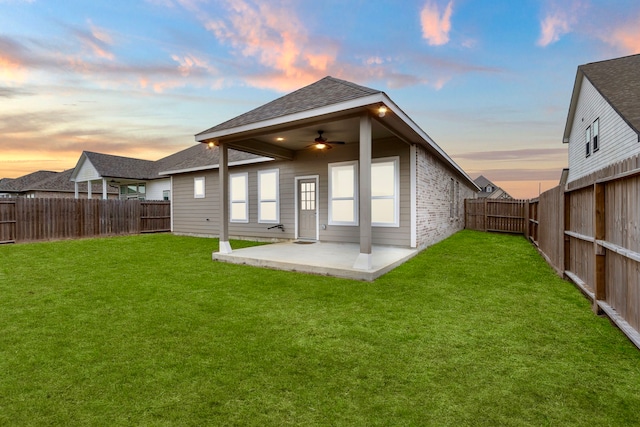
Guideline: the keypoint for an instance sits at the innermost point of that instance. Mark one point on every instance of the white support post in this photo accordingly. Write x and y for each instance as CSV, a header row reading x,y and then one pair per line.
x,y
364,260
223,171
414,195
88,189
76,192
104,188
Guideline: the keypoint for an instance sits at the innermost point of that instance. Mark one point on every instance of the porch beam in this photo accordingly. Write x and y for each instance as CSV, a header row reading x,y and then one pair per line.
x,y
223,178
364,260
260,148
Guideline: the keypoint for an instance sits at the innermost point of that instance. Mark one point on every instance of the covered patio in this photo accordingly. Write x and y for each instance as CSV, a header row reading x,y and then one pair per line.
x,y
322,258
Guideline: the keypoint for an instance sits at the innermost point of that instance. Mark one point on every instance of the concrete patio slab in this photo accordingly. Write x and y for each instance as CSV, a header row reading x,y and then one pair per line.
x,y
322,258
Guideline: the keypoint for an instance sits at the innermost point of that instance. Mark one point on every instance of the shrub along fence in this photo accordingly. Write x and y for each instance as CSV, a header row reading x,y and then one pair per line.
x,y
589,232
26,220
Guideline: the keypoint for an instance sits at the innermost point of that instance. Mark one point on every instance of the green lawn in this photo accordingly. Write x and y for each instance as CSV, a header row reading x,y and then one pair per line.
x,y
147,330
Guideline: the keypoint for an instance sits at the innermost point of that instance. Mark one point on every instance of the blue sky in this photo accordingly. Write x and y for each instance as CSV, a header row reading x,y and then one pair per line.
x,y
489,81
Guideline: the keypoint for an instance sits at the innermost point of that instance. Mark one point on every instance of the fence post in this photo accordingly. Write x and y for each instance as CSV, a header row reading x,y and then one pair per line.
x,y
484,213
567,227
525,214
600,291
466,213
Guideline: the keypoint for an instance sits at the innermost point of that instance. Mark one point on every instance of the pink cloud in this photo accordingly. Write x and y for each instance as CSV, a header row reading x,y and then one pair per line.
x,y
560,18
277,39
11,70
97,40
625,36
552,27
436,25
189,63
12,67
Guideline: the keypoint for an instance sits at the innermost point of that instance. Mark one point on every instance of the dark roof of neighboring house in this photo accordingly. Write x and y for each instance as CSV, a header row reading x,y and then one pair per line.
x,y
482,182
49,181
327,91
618,81
25,182
6,184
112,166
200,156
62,182
194,157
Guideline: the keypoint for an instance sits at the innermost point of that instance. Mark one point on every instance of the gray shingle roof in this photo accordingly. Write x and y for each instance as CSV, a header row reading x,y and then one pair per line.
x,y
327,91
618,81
62,182
483,182
48,181
199,156
108,165
196,156
25,182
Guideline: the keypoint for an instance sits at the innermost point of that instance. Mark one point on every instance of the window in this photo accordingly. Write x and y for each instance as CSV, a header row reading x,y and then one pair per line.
x,y
595,130
238,192
451,198
588,144
457,201
133,191
268,196
385,189
489,189
166,194
198,188
343,181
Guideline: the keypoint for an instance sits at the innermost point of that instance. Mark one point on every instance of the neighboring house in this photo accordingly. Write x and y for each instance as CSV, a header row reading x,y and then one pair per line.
x,y
135,179
377,179
488,190
46,184
603,124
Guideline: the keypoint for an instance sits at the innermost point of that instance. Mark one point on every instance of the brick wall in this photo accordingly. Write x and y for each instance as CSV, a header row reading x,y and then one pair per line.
x,y
437,217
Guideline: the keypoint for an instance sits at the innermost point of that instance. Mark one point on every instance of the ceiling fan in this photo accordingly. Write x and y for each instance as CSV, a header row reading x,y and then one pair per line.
x,y
321,143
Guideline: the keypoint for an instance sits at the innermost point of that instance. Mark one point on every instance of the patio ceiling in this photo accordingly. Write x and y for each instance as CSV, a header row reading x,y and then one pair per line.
x,y
284,139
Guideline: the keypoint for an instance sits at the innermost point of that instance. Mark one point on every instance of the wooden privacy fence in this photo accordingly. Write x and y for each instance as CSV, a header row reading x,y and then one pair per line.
x,y
589,232
504,215
25,220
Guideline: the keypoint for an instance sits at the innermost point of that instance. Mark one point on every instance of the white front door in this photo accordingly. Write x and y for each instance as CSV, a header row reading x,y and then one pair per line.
x,y
307,209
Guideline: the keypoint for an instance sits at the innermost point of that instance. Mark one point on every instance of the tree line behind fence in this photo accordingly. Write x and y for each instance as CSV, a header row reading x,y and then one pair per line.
x,y
26,220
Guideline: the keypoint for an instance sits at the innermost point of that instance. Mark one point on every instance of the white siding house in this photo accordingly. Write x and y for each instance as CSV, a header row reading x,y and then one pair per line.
x,y
604,115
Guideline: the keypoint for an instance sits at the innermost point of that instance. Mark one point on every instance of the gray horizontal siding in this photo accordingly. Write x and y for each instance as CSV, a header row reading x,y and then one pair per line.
x,y
190,214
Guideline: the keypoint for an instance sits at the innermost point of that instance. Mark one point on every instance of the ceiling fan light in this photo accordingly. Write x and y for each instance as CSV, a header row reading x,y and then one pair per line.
x,y
321,146
210,145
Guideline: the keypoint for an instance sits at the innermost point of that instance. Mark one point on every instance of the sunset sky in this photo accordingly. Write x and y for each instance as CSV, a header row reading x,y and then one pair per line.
x,y
489,81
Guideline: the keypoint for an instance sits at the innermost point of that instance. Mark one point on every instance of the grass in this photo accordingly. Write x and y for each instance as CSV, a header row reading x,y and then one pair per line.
x,y
147,330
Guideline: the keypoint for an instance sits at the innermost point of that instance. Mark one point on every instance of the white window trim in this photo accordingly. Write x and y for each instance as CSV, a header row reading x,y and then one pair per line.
x,y
197,195
245,200
356,214
396,195
595,135
276,200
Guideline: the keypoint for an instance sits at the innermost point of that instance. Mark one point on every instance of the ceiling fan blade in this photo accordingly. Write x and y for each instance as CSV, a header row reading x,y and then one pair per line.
x,y
334,142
